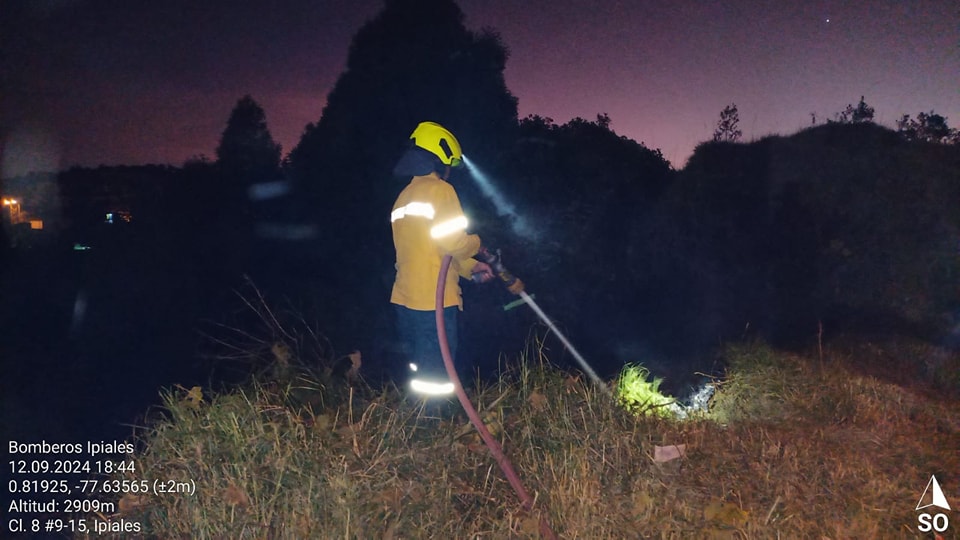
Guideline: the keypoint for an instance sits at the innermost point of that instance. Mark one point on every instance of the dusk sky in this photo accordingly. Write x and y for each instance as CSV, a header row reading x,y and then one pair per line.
x,y
89,82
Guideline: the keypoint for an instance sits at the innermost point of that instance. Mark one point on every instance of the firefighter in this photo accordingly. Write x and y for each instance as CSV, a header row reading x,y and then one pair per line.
x,y
428,223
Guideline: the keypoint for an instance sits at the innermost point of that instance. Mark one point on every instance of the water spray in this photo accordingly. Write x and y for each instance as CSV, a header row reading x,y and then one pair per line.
x,y
519,224
566,343
517,287
514,285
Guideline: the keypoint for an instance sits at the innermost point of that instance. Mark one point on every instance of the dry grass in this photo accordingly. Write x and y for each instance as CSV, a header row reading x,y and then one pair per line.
x,y
791,448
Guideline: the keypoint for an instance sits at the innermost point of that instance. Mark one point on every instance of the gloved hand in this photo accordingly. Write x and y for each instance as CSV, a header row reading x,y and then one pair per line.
x,y
481,272
492,258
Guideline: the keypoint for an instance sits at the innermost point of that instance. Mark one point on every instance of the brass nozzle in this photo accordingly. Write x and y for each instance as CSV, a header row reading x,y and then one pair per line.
x,y
516,287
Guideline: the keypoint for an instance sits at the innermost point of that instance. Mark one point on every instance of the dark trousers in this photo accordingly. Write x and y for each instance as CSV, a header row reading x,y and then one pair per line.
x,y
417,332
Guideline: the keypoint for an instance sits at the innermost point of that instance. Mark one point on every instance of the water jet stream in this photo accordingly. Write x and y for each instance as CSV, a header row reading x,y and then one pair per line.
x,y
566,343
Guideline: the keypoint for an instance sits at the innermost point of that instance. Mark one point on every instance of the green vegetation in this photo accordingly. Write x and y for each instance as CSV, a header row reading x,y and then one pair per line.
x,y
793,446
640,394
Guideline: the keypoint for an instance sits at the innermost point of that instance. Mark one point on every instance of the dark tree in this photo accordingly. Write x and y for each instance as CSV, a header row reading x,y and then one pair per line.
x,y
247,155
415,61
930,127
844,223
247,151
855,115
587,194
728,127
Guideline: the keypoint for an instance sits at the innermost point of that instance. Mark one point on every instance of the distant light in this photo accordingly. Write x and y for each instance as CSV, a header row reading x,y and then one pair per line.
x,y
413,367
79,309
286,231
828,20
268,190
80,247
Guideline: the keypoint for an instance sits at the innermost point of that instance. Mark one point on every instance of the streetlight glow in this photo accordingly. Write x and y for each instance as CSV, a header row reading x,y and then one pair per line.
x,y
14,206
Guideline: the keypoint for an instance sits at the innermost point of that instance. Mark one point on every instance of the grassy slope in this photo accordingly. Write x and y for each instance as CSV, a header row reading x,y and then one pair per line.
x,y
793,447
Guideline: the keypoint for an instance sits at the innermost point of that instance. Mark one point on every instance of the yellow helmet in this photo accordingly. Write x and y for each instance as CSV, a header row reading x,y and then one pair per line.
x,y
435,139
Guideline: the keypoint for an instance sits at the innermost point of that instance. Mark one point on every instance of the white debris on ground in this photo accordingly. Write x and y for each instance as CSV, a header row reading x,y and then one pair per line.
x,y
697,402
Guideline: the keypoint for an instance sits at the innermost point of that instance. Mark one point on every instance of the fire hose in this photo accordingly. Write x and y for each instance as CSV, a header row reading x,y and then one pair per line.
x,y
495,449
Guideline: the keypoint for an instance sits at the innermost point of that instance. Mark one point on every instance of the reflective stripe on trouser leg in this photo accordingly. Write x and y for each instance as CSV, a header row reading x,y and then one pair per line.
x,y
417,331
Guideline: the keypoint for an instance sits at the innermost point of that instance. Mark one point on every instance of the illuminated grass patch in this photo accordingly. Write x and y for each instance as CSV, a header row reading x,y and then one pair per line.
x,y
639,393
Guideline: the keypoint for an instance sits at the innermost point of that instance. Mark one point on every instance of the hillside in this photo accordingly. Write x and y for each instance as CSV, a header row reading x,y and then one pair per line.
x,y
793,446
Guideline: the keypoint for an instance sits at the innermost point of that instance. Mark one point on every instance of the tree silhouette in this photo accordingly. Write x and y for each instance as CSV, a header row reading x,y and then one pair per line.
x,y
587,194
247,151
855,115
414,61
930,127
843,222
247,154
728,127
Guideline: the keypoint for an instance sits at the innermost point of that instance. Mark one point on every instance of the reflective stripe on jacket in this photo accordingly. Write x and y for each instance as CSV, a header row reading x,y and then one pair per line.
x,y
428,223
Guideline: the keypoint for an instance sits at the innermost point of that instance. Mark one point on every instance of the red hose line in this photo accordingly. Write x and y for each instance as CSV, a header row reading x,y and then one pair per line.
x,y
492,444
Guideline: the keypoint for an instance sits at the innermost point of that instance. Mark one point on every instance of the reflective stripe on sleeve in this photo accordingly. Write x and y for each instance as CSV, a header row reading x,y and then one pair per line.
x,y
448,227
420,209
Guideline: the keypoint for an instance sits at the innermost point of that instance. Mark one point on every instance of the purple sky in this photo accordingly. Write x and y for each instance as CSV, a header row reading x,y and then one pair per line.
x,y
94,82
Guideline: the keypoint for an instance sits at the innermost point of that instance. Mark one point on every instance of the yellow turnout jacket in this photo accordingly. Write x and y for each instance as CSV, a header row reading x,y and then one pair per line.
x,y
428,223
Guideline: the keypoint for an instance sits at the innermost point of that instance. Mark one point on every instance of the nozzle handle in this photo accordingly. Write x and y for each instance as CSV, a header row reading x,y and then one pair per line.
x,y
513,284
